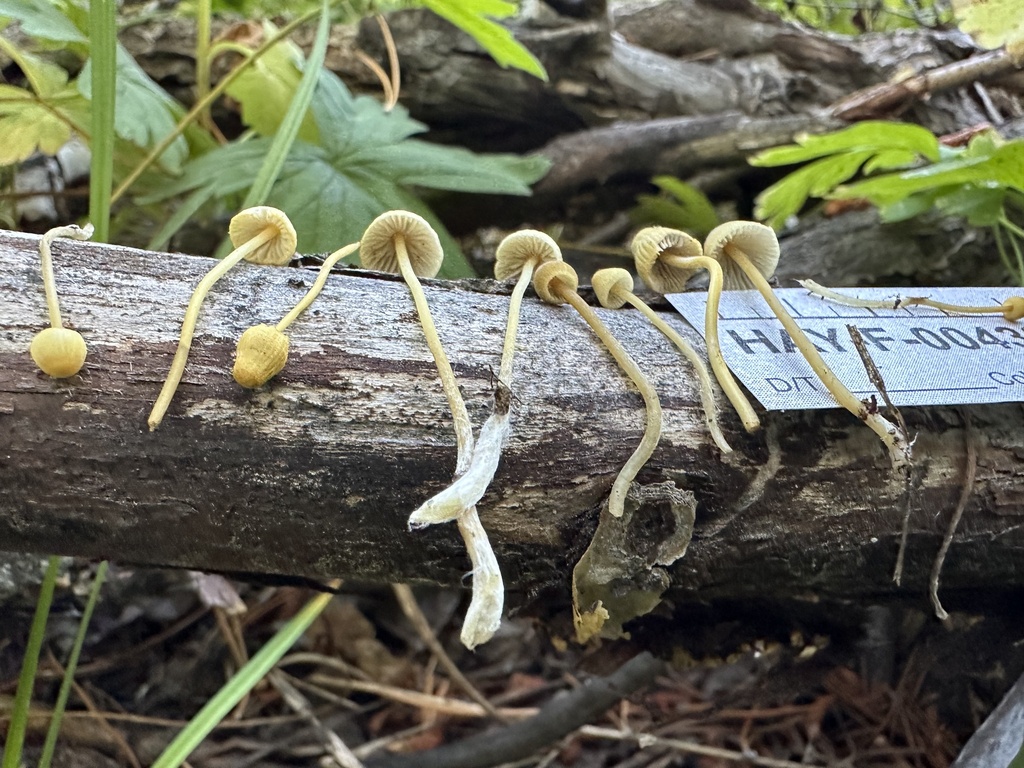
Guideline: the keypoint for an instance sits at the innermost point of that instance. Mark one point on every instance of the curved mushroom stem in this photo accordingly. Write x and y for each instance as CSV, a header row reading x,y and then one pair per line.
x,y
515,303
1012,309
652,431
707,397
314,291
897,443
49,285
725,378
463,428
188,325
485,607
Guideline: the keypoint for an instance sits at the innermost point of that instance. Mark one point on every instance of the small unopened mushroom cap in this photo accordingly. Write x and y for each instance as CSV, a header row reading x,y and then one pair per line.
x,y
757,241
651,245
59,352
377,247
552,275
520,247
1013,308
610,285
247,224
261,354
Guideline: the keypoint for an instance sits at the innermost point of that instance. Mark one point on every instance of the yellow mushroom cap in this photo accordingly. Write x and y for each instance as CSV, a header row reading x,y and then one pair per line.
x,y
521,247
610,285
651,245
261,354
247,224
377,246
757,241
1013,308
550,277
59,352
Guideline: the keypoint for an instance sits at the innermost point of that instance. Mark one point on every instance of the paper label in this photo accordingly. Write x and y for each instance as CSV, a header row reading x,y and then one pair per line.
x,y
925,356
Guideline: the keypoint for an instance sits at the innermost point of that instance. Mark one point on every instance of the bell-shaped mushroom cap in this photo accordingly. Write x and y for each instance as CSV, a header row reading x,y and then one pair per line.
x,y
610,285
757,241
651,245
551,277
377,247
59,352
247,224
523,246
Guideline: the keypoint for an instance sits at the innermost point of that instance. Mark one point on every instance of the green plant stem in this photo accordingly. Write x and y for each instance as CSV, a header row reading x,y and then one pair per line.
x,y
1015,233
23,698
241,683
69,670
204,16
103,51
214,94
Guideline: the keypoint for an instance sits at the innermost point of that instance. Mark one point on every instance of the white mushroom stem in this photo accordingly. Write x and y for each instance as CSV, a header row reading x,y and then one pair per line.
x,y
470,487
484,614
707,397
188,325
652,430
46,257
817,289
512,327
895,441
725,378
314,291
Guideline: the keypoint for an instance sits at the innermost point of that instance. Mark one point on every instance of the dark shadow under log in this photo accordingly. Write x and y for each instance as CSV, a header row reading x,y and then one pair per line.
x,y
315,474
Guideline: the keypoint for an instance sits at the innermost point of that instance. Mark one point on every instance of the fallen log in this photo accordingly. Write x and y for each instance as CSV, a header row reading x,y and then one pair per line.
x,y
315,474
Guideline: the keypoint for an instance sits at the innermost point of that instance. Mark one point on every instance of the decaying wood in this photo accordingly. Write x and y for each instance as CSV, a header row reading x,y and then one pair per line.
x,y
315,474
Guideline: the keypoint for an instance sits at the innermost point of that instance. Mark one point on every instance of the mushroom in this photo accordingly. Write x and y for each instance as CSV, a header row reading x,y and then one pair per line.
x,y
556,283
58,351
1012,309
665,259
517,255
261,235
263,350
748,253
400,241
614,288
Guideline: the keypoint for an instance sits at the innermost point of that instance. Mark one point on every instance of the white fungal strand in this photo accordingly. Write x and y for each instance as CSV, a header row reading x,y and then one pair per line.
x,y
470,487
483,617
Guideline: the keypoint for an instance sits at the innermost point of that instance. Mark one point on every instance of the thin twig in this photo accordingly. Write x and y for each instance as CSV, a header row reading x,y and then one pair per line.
x,y
645,740
970,470
332,742
410,607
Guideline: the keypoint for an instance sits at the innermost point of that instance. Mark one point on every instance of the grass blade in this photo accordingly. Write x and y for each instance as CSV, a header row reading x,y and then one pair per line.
x,y
103,44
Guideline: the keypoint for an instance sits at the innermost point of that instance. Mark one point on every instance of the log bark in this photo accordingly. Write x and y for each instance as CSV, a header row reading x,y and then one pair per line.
x,y
315,474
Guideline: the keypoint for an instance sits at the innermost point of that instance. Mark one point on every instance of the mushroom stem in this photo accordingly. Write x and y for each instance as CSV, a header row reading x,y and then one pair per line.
x,y
188,325
1012,309
463,428
515,304
895,442
49,285
314,291
652,431
707,397
732,390
483,617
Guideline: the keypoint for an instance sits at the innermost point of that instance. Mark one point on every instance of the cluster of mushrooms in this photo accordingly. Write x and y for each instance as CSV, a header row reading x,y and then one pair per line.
x,y
736,255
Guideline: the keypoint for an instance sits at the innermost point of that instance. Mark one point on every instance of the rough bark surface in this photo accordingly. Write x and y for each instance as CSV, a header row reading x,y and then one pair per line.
x,y
315,474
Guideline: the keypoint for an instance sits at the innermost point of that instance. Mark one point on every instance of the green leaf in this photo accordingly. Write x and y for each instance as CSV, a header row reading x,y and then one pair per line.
x,y
981,207
145,113
42,19
26,126
686,208
875,135
992,22
45,77
266,87
787,196
365,167
474,18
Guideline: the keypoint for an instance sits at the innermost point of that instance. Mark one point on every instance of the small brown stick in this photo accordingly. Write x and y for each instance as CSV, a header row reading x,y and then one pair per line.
x,y
875,377
411,608
332,742
970,470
